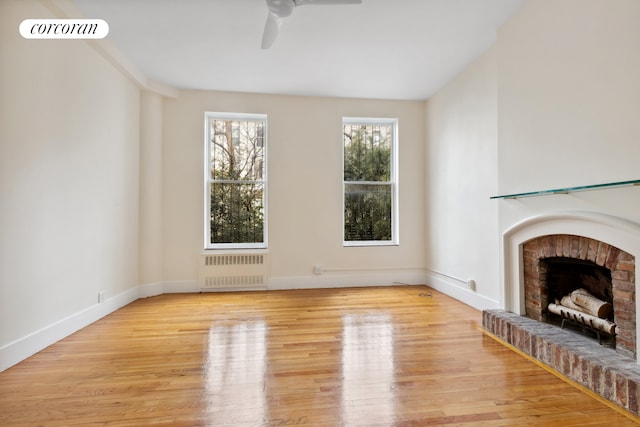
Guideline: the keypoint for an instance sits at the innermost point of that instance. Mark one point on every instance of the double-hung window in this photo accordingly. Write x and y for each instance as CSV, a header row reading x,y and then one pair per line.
x,y
370,181
235,180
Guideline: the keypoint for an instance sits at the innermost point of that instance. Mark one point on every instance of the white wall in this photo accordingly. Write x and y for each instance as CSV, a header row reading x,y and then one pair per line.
x,y
68,180
461,165
569,94
569,103
561,86
569,106
305,188
151,261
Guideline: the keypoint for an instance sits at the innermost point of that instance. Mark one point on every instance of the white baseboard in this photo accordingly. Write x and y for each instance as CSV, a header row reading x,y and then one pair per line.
x,y
347,279
29,345
454,288
181,287
150,290
176,287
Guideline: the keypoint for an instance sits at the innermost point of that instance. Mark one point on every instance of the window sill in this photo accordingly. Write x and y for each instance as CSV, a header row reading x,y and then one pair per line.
x,y
360,244
256,250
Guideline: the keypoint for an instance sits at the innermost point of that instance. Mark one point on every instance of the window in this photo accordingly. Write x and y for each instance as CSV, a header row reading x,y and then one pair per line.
x,y
235,181
370,181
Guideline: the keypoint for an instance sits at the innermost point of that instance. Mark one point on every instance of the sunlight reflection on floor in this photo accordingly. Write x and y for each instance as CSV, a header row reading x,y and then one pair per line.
x,y
367,367
235,372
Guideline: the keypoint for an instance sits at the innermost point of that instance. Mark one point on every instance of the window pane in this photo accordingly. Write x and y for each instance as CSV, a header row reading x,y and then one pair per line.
x,y
237,213
367,212
367,152
236,149
236,180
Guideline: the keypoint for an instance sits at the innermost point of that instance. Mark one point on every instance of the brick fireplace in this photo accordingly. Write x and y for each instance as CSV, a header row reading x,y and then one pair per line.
x,y
619,264
607,245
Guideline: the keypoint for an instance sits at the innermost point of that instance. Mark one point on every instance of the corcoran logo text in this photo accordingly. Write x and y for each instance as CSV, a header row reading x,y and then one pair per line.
x,y
64,29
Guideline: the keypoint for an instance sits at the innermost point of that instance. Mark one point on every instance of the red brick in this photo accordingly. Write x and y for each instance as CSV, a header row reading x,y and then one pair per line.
x,y
601,256
531,274
608,386
595,378
593,250
566,245
529,258
558,243
626,257
623,285
627,345
626,266
625,337
574,246
632,395
624,307
621,390
584,248
585,372
535,345
576,366
544,249
565,361
622,295
535,314
627,332
620,275
612,257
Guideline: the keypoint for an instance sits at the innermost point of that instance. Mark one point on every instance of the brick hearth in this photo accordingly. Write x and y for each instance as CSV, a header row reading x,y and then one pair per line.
x,y
606,372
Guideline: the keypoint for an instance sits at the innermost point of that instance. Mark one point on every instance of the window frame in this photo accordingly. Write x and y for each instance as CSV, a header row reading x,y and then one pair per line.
x,y
393,182
208,116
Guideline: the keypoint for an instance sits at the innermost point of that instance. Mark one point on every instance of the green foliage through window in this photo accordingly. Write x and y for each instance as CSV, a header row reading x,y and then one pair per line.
x,y
368,181
236,149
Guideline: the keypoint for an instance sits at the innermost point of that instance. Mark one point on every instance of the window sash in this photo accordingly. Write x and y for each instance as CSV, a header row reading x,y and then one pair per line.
x,y
249,228
368,212
373,235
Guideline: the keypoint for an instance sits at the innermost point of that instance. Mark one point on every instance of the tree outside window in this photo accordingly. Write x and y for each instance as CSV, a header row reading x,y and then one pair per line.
x,y
236,181
369,181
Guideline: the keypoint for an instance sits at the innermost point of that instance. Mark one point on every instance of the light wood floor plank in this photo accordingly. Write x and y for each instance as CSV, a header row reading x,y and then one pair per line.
x,y
388,356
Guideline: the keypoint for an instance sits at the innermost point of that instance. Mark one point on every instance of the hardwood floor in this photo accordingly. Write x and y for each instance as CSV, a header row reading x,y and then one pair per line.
x,y
388,356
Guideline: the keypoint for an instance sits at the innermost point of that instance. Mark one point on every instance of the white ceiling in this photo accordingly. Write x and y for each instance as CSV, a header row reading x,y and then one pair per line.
x,y
388,49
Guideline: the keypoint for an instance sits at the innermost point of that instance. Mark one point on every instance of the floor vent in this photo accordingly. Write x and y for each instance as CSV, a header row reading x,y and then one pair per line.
x,y
225,272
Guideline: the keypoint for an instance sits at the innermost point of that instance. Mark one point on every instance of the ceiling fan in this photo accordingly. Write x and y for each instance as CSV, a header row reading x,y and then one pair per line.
x,y
279,9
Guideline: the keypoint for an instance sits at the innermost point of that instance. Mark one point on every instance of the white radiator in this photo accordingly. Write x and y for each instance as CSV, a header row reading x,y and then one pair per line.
x,y
233,271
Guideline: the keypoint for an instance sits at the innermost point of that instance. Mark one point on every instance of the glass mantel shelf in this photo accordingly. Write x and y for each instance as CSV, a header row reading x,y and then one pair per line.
x,y
569,189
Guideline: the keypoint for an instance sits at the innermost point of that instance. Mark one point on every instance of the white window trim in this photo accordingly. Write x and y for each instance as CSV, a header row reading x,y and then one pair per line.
x,y
395,200
208,115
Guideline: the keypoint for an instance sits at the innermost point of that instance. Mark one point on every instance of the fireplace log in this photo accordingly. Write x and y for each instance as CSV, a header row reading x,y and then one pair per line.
x,y
583,318
590,304
567,302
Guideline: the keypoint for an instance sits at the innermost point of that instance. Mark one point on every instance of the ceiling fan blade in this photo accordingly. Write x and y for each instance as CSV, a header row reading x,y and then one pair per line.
x,y
279,9
271,29
305,2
